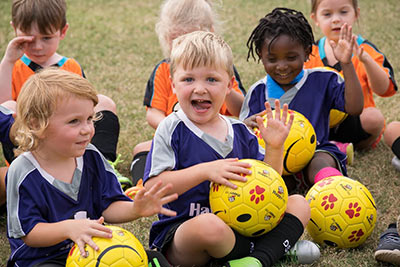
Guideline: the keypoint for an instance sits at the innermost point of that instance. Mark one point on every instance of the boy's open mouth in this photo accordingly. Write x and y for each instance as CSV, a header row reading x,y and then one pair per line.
x,y
201,104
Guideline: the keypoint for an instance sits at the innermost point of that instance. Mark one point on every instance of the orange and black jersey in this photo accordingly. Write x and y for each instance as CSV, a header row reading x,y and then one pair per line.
x,y
318,59
25,67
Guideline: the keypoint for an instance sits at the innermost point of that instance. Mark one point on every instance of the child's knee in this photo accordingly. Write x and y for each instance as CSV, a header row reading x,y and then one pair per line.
x,y
105,103
392,132
299,207
143,146
372,121
211,229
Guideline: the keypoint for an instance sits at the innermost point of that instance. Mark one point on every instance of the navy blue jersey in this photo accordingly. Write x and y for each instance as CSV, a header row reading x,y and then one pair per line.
x,y
179,144
314,95
6,120
34,196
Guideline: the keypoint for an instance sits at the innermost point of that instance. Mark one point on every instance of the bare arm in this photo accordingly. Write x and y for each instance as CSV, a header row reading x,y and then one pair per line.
x,y
354,99
79,231
377,77
219,171
234,101
15,50
147,202
154,117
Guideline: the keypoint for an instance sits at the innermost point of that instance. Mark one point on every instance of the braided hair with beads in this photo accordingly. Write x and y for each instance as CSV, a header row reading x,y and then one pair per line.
x,y
281,21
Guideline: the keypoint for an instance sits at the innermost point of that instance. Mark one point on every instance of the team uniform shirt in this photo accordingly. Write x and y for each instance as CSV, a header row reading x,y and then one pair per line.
x,y
159,92
24,68
314,95
179,144
6,120
318,59
34,196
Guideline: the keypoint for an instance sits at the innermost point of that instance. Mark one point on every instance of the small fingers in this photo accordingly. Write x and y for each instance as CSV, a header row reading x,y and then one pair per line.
x,y
168,212
169,198
81,246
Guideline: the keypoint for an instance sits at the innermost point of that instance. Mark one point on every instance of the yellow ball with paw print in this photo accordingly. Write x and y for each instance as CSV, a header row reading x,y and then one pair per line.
x,y
343,212
257,205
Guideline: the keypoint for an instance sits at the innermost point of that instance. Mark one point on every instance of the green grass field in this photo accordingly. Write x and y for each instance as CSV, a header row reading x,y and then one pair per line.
x,y
116,44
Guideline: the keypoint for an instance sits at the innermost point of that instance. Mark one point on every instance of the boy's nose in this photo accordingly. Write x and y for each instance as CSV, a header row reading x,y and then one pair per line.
x,y
36,44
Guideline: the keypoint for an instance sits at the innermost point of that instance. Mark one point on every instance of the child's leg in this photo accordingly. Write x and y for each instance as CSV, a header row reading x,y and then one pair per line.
x,y
138,164
372,122
321,164
107,128
199,239
392,137
270,247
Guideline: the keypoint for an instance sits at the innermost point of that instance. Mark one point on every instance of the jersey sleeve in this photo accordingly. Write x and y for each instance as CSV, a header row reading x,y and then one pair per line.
x,y
383,62
6,121
159,88
22,212
161,156
254,100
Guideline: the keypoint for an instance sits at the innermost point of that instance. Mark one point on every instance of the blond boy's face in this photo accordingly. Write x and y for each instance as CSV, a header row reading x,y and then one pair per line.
x,y
70,129
43,46
201,92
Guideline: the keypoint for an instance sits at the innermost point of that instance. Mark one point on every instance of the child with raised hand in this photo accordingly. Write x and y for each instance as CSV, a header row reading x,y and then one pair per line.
x,y
40,26
60,174
196,146
283,41
372,67
178,17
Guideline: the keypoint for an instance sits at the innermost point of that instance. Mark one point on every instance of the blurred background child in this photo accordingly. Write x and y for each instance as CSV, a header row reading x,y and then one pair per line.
x,y
177,17
372,67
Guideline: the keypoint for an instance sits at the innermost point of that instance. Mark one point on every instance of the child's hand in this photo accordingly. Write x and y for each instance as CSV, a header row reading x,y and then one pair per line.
x,y
150,202
223,170
277,129
343,49
81,232
16,48
251,121
359,51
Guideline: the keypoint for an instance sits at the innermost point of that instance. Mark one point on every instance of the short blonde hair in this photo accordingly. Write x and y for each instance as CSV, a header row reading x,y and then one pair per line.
x,y
201,49
39,98
178,17
49,15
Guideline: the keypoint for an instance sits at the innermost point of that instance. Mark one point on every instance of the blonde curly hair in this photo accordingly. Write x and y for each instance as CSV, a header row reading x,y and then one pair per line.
x,y
38,100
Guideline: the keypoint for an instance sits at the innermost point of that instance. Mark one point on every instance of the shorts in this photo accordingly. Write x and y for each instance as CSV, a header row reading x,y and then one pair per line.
x,y
169,236
349,131
106,134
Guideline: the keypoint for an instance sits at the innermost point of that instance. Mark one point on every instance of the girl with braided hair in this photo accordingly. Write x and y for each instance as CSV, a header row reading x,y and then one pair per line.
x,y
283,40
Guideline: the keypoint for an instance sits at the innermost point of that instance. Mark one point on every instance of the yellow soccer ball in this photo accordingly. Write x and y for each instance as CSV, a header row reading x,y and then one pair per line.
x,y
299,145
336,117
343,212
122,250
256,206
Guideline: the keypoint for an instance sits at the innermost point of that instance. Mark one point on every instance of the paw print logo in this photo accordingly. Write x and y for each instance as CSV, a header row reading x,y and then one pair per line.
x,y
325,182
215,187
257,194
328,202
356,235
354,210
